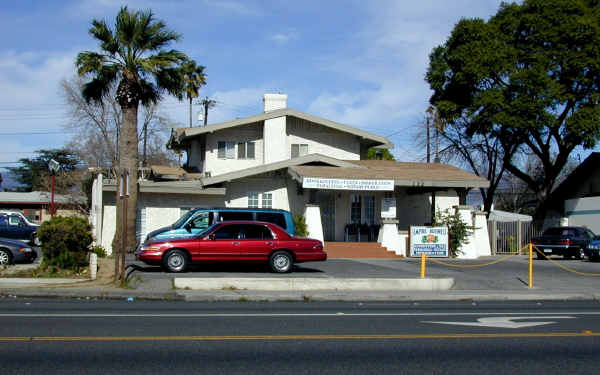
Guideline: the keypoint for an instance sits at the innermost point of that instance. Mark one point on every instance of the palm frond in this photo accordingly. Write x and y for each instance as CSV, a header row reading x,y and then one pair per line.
x,y
100,85
102,32
171,80
89,62
149,94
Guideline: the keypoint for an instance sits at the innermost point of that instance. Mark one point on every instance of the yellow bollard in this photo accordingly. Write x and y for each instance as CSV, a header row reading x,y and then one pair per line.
x,y
530,265
423,257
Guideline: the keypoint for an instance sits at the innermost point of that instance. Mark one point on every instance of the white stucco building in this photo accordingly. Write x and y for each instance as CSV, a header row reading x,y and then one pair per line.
x,y
287,159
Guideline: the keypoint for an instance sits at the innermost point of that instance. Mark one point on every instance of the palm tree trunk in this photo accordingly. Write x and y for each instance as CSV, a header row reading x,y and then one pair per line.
x,y
190,112
128,163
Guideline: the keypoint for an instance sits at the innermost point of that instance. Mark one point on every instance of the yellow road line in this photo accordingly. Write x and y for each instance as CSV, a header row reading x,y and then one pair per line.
x,y
305,337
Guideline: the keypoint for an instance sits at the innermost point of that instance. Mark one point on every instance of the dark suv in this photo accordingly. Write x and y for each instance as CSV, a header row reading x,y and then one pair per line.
x,y
566,241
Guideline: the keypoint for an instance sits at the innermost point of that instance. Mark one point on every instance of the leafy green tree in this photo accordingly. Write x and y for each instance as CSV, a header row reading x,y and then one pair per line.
x,y
132,55
379,154
193,79
527,78
33,172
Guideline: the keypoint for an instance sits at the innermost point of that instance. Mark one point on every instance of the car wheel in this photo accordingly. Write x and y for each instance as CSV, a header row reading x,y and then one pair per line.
x,y
281,262
175,261
579,253
5,257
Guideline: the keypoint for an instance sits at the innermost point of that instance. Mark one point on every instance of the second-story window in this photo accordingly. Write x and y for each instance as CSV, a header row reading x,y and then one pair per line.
x,y
252,199
299,150
226,150
245,150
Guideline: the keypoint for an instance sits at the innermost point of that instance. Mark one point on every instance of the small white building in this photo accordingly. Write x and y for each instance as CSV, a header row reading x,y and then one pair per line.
x,y
287,159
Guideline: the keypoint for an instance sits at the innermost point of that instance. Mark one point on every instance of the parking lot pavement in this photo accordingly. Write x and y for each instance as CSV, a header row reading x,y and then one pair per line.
x,y
509,274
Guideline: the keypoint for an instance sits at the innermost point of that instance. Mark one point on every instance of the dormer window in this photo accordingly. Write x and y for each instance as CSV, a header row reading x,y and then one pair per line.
x,y
299,150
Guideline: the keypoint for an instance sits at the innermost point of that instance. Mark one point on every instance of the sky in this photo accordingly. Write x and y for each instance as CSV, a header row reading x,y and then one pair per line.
x,y
361,63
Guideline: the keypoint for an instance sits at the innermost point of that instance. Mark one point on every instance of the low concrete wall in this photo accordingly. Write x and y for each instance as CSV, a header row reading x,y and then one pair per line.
x,y
305,284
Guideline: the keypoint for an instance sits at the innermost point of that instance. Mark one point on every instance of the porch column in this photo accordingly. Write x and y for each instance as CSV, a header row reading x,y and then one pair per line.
x,y
313,222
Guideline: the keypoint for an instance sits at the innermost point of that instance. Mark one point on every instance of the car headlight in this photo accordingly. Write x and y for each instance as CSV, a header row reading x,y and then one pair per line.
x,y
150,248
25,250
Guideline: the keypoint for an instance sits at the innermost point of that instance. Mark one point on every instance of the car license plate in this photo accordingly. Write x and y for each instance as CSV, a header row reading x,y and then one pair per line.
x,y
547,250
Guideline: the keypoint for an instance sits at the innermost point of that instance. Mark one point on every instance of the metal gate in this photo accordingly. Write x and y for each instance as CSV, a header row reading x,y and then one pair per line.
x,y
507,237
326,202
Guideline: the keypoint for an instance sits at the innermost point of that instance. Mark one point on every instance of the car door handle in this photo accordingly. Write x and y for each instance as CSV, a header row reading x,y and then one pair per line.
x,y
269,242
235,243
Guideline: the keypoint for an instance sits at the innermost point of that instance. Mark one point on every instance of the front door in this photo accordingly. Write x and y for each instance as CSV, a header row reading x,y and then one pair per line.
x,y
326,202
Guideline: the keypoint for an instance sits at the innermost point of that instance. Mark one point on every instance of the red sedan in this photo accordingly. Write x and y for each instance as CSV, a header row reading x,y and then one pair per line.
x,y
245,241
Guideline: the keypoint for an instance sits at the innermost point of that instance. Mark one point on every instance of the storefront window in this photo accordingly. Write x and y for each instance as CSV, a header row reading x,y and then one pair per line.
x,y
370,209
355,209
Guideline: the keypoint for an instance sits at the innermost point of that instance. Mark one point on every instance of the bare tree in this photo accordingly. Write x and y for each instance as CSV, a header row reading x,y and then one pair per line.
x,y
97,125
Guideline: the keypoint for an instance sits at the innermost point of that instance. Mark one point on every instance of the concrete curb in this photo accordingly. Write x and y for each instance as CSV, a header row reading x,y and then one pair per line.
x,y
8,282
312,284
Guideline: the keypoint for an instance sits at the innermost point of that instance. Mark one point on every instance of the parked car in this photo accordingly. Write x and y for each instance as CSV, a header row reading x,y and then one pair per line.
x,y
592,251
12,251
198,220
240,241
566,241
14,226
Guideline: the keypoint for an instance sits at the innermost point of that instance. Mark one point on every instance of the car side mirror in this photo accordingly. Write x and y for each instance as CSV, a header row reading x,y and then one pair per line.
x,y
212,236
188,227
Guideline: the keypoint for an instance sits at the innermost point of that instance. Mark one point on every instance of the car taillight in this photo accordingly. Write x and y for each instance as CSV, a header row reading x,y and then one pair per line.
x,y
566,242
318,246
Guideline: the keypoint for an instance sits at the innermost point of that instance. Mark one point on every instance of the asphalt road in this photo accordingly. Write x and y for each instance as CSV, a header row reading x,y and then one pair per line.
x,y
108,337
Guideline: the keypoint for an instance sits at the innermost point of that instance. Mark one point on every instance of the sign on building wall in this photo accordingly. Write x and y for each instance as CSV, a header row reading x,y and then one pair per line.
x,y
433,241
347,184
388,208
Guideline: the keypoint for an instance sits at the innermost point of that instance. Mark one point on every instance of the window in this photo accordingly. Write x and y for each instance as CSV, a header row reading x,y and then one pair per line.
x,y
200,221
299,150
226,150
272,217
252,199
235,215
267,200
228,232
257,232
370,209
14,220
355,209
246,150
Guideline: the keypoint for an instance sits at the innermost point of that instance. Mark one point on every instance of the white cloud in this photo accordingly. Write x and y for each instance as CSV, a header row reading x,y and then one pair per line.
x,y
390,57
283,38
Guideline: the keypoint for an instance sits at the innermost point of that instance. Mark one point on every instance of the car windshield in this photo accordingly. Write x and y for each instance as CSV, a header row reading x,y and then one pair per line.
x,y
560,232
179,223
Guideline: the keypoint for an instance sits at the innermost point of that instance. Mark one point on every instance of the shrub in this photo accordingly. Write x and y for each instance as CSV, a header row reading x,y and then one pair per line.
x,y
99,251
300,224
457,229
65,242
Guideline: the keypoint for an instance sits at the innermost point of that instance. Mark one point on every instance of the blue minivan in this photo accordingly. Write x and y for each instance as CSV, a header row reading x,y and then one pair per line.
x,y
195,221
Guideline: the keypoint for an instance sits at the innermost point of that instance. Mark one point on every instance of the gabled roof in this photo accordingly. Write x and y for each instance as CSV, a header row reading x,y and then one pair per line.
x,y
568,189
306,159
182,134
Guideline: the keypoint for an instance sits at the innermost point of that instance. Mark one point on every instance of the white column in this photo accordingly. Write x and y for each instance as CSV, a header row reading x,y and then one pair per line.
x,y
481,238
313,222
468,249
389,238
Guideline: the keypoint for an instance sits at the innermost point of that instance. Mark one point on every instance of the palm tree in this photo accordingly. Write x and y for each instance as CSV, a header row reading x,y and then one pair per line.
x,y
193,79
131,56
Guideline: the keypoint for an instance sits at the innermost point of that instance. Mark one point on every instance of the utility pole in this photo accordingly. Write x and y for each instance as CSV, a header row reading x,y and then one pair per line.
x,y
207,103
428,142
